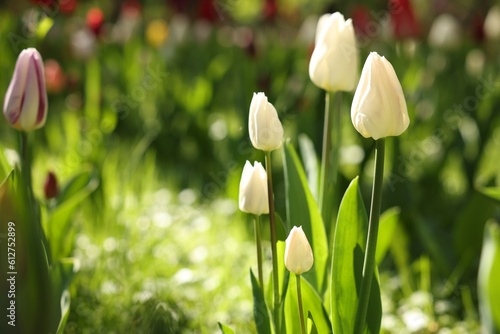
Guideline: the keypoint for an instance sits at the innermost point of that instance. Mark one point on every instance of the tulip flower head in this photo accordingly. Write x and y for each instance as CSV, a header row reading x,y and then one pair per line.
x,y
298,253
51,187
379,107
25,105
264,126
253,189
334,61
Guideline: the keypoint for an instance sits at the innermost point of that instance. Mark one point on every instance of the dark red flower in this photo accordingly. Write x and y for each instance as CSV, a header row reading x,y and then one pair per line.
x,y
361,20
131,8
51,188
270,9
478,28
207,10
67,6
404,23
95,20
48,3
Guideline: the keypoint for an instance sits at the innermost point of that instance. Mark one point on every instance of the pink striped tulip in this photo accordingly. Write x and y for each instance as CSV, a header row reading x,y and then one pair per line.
x,y
25,104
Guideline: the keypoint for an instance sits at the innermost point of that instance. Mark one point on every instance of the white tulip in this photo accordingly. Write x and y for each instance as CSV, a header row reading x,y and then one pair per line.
x,y
253,189
264,126
379,107
298,253
445,32
492,23
25,105
334,61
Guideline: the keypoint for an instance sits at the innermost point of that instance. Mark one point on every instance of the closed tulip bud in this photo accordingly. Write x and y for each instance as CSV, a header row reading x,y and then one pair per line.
x,y
334,61
50,187
298,253
25,105
264,126
379,107
253,189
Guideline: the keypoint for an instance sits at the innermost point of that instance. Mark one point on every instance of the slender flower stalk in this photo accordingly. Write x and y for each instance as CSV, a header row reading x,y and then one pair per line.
x,y
301,309
371,244
330,155
272,225
258,245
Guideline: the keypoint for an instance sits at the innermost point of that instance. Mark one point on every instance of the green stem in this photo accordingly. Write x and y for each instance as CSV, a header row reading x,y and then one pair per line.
x,y
301,310
259,250
325,157
26,164
330,159
371,243
272,225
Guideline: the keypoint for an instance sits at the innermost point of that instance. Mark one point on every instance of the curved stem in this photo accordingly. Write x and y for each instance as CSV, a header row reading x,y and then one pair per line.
x,y
301,310
272,225
371,243
258,245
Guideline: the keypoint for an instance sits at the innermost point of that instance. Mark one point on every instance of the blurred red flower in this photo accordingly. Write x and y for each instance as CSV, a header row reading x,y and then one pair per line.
x,y
207,10
270,9
404,23
50,187
360,20
95,20
67,6
55,80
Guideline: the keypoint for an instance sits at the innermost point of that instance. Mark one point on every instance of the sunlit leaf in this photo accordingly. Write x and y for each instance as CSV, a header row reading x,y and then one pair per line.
x,y
489,272
347,266
225,330
492,192
388,222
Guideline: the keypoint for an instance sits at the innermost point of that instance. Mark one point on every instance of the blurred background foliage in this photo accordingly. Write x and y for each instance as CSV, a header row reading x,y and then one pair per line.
x,y
153,97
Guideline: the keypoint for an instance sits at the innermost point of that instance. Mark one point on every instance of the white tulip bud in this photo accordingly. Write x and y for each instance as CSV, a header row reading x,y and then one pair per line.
x,y
379,107
253,189
445,32
334,61
264,126
25,105
298,253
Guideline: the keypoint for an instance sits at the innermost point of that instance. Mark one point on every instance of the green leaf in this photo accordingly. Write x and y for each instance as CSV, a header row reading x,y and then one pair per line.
x,y
388,222
58,226
260,313
32,280
492,192
224,329
469,227
311,302
347,265
302,210
489,272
